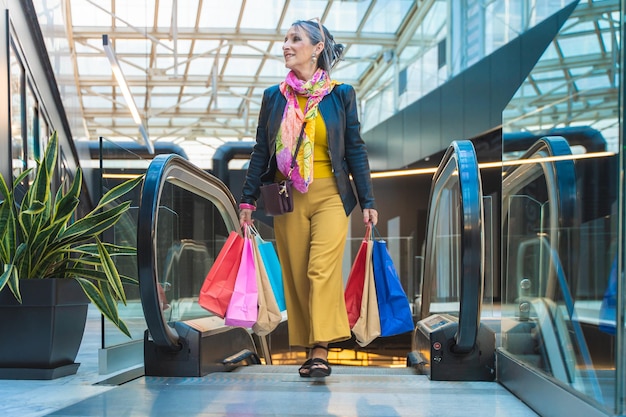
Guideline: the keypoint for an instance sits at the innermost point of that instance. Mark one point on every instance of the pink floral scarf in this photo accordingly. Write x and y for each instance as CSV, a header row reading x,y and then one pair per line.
x,y
315,89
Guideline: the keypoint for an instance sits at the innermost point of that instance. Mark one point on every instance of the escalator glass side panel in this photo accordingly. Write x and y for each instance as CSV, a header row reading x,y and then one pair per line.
x,y
185,217
454,260
541,235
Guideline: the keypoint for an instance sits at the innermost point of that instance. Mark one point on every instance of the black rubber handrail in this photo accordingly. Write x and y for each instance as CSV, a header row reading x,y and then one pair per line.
x,y
460,159
176,170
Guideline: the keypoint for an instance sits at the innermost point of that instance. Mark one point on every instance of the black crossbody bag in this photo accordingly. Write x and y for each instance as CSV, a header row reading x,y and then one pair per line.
x,y
277,196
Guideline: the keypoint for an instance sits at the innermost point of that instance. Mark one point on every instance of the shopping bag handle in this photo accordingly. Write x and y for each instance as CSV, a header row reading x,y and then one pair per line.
x,y
375,233
368,232
249,230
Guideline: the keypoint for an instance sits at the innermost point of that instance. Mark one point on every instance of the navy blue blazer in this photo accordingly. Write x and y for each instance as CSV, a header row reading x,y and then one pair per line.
x,y
348,153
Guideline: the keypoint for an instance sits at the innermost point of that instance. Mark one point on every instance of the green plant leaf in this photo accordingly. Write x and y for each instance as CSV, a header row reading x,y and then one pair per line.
x,y
93,274
20,178
36,201
122,326
21,260
111,272
50,157
40,242
129,280
65,207
104,303
87,273
5,231
33,219
119,191
9,277
4,189
92,224
6,275
109,297
113,249
95,295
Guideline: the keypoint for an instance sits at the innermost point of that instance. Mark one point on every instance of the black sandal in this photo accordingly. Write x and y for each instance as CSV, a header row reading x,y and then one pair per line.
x,y
319,367
305,369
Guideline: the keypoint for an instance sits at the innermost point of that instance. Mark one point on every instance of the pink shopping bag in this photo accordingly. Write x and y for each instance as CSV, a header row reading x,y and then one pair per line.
x,y
243,307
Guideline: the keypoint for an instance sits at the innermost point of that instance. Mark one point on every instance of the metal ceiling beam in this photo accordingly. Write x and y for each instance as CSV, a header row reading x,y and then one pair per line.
x,y
166,81
234,35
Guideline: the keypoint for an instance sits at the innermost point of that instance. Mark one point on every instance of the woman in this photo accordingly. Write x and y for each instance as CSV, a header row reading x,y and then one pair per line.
x,y
310,240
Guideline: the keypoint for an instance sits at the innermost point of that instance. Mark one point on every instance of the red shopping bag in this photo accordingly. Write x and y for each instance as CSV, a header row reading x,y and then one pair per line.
x,y
218,285
356,280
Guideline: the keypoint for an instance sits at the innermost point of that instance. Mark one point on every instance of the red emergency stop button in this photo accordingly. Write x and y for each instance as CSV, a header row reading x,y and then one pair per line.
x,y
437,346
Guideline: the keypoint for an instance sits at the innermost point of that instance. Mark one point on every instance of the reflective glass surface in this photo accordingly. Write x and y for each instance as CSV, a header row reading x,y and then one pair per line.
x,y
193,220
559,214
446,260
188,243
18,163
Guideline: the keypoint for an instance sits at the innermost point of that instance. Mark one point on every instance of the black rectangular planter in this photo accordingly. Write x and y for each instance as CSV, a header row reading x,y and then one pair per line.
x,y
40,338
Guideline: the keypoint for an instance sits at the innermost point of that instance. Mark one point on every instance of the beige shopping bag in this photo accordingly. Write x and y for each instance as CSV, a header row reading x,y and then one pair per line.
x,y
367,326
269,313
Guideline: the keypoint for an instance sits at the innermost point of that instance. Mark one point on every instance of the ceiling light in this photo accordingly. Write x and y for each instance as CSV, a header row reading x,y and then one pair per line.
x,y
123,85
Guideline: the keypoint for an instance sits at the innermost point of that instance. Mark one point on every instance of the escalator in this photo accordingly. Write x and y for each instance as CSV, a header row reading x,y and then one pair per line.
x,y
453,344
186,215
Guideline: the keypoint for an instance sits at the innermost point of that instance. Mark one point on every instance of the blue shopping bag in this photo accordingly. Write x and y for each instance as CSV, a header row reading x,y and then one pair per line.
x,y
272,266
393,305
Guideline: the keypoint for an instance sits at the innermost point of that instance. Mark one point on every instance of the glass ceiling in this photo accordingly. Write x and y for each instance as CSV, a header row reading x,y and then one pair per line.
x,y
197,68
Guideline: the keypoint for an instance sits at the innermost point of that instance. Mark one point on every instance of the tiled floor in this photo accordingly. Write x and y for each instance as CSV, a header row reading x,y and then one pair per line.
x,y
255,391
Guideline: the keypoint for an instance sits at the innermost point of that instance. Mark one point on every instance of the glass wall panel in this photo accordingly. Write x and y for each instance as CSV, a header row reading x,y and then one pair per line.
x,y
17,140
453,35
190,233
32,134
559,210
110,165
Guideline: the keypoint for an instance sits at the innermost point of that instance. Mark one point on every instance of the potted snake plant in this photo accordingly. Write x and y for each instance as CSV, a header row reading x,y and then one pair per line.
x,y
48,255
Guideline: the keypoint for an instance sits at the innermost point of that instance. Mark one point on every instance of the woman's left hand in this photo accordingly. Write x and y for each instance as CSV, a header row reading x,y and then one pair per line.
x,y
370,216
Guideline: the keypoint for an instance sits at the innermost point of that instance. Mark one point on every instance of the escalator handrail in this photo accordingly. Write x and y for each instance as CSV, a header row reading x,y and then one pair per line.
x,y
564,170
163,169
560,177
463,155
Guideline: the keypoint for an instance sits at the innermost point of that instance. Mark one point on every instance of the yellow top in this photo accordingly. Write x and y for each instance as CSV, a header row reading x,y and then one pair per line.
x,y
321,158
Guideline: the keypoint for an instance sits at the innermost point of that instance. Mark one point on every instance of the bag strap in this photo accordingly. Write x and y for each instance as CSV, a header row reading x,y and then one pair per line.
x,y
375,233
368,232
295,154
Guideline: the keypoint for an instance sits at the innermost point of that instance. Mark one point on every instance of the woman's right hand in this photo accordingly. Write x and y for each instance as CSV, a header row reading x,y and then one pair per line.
x,y
245,217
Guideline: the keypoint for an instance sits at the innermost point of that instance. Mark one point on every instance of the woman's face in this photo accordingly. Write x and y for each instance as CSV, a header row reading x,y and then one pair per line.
x,y
298,52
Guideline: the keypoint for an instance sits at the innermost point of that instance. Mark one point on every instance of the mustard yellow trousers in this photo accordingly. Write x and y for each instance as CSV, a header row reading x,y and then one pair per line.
x,y
310,242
